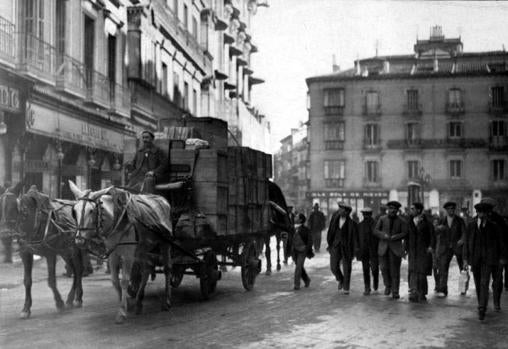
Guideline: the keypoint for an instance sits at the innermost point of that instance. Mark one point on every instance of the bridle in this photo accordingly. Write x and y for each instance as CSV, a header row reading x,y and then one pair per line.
x,y
100,236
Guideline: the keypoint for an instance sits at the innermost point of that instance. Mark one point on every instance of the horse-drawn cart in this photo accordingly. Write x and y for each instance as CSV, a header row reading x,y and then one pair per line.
x,y
219,205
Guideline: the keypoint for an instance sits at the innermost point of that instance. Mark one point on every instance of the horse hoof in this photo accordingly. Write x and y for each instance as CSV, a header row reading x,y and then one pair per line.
x,y
279,267
120,319
78,304
24,315
268,272
69,305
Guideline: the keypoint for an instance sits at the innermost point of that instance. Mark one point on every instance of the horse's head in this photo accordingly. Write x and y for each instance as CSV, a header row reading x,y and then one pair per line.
x,y
33,209
88,213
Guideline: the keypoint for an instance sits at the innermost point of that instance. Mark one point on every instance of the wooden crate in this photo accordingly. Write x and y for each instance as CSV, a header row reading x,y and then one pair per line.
x,y
261,165
211,197
211,165
262,191
238,215
218,223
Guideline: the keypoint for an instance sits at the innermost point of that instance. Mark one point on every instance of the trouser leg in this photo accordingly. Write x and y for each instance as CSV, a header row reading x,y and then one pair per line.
x,y
316,239
497,285
385,270
366,273
347,265
374,266
485,273
395,262
298,258
460,261
444,265
335,257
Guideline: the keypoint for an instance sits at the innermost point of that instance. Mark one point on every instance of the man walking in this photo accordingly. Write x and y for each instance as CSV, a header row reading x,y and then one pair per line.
x,y
341,237
367,250
317,223
420,244
485,251
450,233
390,230
301,249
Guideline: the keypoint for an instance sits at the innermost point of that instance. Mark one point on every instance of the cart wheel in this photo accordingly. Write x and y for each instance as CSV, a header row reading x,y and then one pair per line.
x,y
176,278
251,265
209,274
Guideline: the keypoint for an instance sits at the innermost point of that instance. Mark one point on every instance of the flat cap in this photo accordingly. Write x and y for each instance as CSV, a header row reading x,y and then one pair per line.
x,y
450,204
344,205
395,204
148,132
483,207
490,201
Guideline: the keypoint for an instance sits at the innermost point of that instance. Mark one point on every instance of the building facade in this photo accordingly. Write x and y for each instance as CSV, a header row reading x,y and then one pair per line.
x,y
291,169
427,126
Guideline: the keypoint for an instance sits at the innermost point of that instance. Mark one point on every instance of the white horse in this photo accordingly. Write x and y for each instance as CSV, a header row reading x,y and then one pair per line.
x,y
134,231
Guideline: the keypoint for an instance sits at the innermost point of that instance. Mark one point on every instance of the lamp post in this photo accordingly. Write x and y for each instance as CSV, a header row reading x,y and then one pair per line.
x,y
59,155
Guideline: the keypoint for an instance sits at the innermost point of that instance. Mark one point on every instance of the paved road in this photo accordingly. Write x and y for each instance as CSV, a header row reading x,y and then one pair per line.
x,y
271,316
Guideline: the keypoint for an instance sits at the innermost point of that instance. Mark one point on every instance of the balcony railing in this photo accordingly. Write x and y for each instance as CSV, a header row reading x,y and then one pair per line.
x,y
455,109
37,58
372,146
498,108
334,109
71,77
334,145
498,142
371,110
437,143
412,110
334,182
120,99
98,88
7,42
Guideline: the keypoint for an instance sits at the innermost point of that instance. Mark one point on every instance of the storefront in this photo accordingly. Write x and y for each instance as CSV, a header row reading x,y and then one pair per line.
x,y
62,144
328,200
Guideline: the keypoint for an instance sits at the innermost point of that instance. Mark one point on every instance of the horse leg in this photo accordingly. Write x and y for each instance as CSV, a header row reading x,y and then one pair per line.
x,y
168,267
114,267
145,273
70,297
28,261
268,256
127,260
277,238
78,276
51,261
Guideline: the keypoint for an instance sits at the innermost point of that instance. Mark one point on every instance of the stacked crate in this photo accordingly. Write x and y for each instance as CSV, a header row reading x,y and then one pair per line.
x,y
248,171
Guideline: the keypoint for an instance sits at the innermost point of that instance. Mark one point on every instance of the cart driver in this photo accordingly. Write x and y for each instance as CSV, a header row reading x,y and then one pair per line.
x,y
148,166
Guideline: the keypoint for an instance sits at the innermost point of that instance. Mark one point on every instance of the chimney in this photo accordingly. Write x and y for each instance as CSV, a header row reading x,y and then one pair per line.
x,y
335,67
386,67
358,69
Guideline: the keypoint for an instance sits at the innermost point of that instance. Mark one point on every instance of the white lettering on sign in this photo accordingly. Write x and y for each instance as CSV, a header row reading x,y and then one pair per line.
x,y
9,98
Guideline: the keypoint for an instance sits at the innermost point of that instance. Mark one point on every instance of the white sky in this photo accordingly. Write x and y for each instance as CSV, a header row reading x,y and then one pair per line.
x,y
297,38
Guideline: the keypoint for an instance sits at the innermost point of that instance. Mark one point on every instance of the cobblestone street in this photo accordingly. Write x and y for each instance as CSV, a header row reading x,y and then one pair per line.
x,y
273,315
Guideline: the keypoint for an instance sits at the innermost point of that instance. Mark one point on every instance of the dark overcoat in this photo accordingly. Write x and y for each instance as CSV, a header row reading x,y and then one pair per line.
x,y
486,238
349,239
391,240
156,162
317,221
448,237
421,238
367,241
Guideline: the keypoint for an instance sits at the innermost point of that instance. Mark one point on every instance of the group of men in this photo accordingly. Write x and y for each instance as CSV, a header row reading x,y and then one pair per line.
x,y
382,243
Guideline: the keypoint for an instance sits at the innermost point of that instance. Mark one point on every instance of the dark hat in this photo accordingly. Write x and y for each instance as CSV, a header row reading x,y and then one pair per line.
x,y
483,207
300,218
450,204
344,205
394,204
490,201
418,205
366,210
149,132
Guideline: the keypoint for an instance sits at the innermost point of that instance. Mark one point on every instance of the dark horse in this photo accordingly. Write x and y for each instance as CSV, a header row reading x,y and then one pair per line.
x,y
46,228
280,225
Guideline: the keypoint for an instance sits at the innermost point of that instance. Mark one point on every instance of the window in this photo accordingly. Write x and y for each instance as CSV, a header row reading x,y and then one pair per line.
x,y
194,28
333,100
186,17
371,135
412,100
497,128
60,31
334,173
175,7
89,43
372,104
334,135
412,133
413,169
455,169
186,95
164,81
177,95
371,169
454,97
498,170
455,130
497,96
194,102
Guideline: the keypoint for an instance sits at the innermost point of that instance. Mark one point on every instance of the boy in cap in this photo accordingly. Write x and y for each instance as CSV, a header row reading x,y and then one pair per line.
x,y
301,249
367,250
485,251
341,238
390,230
450,233
148,166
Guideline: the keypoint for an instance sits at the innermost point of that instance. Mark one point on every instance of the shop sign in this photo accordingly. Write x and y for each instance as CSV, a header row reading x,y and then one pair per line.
x,y
53,123
9,99
32,166
347,194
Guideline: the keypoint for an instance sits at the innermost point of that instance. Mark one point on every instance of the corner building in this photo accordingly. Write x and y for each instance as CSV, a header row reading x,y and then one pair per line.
x,y
428,126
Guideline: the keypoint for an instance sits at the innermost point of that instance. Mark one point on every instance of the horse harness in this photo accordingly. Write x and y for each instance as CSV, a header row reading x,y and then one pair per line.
x,y
98,209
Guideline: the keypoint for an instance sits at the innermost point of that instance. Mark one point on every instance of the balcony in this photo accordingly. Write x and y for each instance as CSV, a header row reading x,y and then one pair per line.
x,y
371,110
7,43
440,143
120,99
367,146
372,182
455,109
71,77
334,110
334,182
334,145
97,89
37,59
498,108
412,110
498,143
